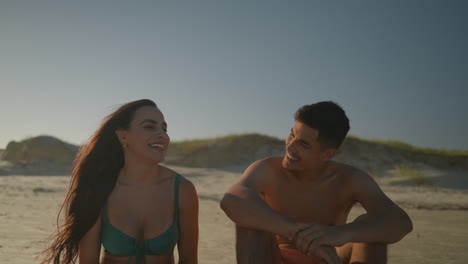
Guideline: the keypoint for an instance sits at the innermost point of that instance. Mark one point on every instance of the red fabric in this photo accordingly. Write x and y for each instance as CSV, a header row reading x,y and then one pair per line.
x,y
293,256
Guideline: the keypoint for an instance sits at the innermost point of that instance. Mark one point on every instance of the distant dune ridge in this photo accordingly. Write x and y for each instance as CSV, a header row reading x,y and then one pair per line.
x,y
46,155
232,151
373,156
42,155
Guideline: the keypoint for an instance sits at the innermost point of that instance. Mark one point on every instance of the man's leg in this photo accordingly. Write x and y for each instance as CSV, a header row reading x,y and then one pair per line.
x,y
256,246
363,253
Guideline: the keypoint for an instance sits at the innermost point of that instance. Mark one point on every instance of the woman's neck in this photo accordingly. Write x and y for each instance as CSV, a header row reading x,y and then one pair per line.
x,y
139,171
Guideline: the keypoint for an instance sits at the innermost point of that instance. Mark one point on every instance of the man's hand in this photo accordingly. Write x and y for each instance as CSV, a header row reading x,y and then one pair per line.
x,y
319,235
319,241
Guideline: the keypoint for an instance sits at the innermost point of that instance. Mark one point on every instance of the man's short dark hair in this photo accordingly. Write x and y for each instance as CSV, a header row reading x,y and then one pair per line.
x,y
329,119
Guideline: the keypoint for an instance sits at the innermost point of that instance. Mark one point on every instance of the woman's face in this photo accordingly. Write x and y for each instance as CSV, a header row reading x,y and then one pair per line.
x,y
146,136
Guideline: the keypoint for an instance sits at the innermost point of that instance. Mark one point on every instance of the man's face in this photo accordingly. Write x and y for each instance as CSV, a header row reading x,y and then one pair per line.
x,y
303,151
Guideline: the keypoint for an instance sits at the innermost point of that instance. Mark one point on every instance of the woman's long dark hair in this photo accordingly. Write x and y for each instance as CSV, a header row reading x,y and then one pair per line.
x,y
94,174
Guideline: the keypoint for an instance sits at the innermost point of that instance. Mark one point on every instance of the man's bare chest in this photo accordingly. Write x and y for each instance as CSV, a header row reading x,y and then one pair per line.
x,y
328,204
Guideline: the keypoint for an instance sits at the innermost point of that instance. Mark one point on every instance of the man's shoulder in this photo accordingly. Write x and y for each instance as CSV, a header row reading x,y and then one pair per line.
x,y
265,166
355,178
268,163
349,171
260,173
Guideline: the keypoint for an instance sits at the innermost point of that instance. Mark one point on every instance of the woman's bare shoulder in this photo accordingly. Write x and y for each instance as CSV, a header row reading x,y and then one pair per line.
x,y
165,171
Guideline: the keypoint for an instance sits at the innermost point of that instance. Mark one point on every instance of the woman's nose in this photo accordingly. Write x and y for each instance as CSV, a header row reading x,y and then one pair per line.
x,y
161,133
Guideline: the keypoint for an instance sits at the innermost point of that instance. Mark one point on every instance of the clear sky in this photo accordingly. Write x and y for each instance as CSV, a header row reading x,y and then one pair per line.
x,y
398,68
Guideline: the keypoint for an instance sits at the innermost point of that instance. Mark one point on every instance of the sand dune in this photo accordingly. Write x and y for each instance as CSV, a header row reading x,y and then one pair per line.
x,y
29,205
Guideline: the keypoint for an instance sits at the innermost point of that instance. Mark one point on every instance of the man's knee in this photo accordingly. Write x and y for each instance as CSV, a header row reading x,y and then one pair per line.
x,y
253,236
256,246
361,253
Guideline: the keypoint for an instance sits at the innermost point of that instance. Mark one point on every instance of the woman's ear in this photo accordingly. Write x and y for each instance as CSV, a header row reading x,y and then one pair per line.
x,y
121,135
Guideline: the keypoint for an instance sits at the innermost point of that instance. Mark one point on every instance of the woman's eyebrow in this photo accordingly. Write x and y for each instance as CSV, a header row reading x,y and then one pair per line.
x,y
153,122
148,120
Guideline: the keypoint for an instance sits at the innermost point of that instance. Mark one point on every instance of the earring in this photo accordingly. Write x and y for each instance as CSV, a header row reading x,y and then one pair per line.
x,y
125,145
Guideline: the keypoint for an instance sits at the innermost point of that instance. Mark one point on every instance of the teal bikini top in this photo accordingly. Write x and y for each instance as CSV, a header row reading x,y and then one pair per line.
x,y
120,244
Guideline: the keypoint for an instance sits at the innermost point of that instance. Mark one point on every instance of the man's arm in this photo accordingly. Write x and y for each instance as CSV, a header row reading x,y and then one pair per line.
x,y
244,205
384,222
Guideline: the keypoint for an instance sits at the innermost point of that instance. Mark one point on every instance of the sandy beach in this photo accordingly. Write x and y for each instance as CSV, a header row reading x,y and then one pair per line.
x,y
29,205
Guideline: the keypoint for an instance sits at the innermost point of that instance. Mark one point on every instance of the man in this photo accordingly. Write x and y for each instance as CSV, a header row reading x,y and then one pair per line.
x,y
294,209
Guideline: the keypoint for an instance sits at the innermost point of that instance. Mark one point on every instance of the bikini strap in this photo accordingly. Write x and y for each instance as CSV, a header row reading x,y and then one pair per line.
x,y
176,195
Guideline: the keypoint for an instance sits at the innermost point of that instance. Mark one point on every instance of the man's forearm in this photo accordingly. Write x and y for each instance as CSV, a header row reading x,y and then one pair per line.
x,y
247,209
382,227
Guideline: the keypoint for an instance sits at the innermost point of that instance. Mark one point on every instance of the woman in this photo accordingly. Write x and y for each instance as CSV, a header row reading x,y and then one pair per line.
x,y
120,197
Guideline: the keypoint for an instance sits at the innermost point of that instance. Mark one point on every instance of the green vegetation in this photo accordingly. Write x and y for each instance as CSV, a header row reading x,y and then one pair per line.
x,y
187,146
405,146
230,150
375,173
409,174
372,155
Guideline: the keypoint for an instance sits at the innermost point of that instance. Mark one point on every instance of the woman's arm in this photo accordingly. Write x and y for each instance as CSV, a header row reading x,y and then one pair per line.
x,y
89,248
188,223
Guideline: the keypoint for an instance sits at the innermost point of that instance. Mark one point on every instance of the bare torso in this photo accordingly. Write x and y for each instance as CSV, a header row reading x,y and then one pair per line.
x,y
107,258
142,211
325,201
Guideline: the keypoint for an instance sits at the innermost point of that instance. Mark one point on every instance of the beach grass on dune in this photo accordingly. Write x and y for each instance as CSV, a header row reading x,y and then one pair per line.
x,y
416,177
405,146
187,146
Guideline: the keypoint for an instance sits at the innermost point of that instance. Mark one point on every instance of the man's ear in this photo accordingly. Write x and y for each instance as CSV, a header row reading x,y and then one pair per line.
x,y
328,154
